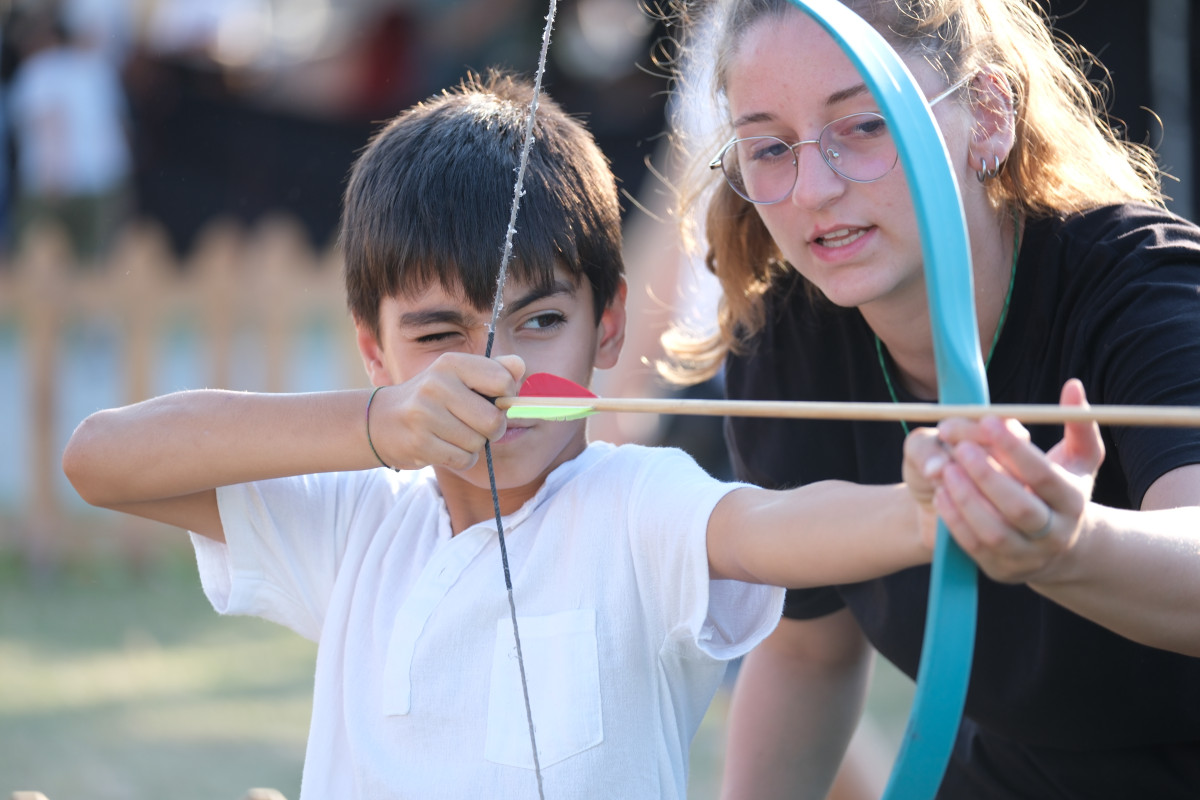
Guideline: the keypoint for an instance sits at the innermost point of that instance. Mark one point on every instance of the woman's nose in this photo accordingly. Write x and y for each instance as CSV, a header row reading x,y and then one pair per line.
x,y
817,184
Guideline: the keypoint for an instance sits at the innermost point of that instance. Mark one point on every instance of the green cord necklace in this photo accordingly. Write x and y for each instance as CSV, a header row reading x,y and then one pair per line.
x,y
1012,279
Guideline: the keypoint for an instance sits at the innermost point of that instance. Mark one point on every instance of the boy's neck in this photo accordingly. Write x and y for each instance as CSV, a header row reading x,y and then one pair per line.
x,y
469,504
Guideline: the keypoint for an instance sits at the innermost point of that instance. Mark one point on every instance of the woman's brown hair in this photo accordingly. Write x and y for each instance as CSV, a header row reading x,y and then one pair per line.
x,y
1066,157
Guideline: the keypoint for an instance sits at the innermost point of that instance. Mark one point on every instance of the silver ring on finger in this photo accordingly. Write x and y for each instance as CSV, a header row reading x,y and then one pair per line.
x,y
1044,531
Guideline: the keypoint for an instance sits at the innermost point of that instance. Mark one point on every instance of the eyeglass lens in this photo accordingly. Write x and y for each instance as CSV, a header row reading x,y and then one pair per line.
x,y
764,169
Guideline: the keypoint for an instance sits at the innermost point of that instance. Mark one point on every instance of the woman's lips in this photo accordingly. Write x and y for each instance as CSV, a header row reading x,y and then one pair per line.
x,y
840,237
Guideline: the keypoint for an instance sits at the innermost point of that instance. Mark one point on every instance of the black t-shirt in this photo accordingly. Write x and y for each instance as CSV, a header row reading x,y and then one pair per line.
x,y
1057,705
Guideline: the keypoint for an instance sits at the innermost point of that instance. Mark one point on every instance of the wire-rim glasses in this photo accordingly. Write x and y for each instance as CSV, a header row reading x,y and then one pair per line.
x,y
858,147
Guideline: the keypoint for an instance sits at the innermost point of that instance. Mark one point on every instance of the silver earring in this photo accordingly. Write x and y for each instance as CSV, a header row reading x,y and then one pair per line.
x,y
985,173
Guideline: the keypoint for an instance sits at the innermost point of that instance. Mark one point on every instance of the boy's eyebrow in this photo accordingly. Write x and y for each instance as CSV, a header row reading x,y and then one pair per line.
x,y
433,316
553,288
840,96
453,316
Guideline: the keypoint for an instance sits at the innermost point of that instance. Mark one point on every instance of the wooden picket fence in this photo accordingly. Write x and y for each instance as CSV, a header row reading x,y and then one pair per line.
x,y
264,287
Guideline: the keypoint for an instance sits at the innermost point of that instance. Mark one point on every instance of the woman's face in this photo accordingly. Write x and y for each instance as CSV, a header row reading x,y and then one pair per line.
x,y
857,242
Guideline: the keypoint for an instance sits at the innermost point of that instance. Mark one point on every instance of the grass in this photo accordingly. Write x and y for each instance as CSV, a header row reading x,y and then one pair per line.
x,y
122,683
116,683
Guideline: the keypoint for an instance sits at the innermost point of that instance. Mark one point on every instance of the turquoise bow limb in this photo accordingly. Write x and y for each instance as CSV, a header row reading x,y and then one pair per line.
x,y
950,619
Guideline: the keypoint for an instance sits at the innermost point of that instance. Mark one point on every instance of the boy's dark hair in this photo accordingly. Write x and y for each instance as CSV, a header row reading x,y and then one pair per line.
x,y
429,200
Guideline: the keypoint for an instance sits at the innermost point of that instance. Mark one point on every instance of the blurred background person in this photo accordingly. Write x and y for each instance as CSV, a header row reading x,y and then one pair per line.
x,y
67,112
5,182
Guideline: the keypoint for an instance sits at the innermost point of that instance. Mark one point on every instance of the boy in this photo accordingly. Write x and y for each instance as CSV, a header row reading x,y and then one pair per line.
x,y
629,564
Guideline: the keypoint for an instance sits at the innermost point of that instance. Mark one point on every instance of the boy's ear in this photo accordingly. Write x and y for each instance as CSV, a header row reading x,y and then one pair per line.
x,y
372,354
612,330
994,131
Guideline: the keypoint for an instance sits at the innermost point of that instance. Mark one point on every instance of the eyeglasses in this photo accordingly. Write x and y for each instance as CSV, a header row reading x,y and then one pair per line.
x,y
858,147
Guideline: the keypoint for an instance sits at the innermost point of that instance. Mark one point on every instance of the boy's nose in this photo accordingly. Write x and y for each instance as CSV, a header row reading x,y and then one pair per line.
x,y
501,344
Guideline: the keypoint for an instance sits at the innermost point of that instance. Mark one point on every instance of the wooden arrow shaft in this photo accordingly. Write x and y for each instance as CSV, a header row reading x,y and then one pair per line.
x,y
1158,416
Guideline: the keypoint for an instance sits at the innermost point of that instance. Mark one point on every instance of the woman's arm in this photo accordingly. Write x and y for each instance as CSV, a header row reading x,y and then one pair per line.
x,y
798,698
1136,572
1026,516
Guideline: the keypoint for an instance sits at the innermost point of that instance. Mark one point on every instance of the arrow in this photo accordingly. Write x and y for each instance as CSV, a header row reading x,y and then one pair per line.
x,y
549,397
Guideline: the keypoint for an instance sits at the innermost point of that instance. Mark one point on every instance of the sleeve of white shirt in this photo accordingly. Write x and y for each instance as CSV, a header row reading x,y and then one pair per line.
x,y
284,541
671,502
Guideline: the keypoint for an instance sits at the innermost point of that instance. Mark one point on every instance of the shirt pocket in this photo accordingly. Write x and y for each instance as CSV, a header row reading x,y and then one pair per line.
x,y
562,671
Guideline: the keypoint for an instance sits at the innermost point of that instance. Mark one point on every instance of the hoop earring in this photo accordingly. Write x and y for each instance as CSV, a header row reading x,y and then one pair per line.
x,y
985,173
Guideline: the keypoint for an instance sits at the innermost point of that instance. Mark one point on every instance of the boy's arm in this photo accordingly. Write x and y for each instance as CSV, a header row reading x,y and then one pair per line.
x,y
164,458
819,534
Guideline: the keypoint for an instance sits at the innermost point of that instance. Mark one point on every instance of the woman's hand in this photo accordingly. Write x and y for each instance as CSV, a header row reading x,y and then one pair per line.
x,y
1014,509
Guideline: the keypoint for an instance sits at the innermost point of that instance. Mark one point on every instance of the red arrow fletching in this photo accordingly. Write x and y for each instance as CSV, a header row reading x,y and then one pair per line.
x,y
543,384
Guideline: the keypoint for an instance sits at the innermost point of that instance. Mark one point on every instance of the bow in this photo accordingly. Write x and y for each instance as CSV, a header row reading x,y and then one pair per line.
x,y
497,305
950,618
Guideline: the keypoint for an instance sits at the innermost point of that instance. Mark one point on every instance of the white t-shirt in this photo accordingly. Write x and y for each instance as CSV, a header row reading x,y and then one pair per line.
x,y
418,694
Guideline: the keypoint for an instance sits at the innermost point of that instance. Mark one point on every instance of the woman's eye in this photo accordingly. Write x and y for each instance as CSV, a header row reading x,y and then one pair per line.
x,y
770,150
869,128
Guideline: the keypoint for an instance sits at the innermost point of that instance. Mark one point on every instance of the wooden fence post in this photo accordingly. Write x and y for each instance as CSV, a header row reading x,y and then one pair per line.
x,y
141,280
212,275
270,283
42,270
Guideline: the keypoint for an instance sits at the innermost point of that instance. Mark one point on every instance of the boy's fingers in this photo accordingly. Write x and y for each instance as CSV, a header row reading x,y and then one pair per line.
x,y
924,452
456,439
442,419
515,366
479,418
464,384
490,377
921,443
445,454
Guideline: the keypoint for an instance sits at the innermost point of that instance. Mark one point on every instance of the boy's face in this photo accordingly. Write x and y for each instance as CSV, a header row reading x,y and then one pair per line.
x,y
552,330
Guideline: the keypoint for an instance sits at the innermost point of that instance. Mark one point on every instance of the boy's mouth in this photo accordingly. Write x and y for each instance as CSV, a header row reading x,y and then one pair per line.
x,y
512,433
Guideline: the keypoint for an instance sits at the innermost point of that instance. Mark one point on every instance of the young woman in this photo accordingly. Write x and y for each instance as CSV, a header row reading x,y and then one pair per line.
x,y
1086,680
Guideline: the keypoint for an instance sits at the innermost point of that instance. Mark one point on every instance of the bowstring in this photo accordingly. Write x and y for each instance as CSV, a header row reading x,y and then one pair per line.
x,y
497,306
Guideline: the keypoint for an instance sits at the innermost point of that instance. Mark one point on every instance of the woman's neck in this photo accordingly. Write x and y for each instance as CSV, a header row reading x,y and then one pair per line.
x,y
905,327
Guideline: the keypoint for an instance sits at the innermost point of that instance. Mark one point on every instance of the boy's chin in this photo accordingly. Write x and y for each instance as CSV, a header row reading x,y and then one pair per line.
x,y
517,467
515,484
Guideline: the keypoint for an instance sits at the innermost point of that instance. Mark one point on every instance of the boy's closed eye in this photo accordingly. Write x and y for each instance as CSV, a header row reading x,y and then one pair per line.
x,y
539,321
438,337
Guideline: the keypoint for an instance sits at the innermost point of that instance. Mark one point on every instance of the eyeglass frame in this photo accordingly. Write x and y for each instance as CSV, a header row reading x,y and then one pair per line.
x,y
718,162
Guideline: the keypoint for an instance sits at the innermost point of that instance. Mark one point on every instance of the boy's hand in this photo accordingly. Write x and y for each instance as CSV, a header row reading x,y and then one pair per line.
x,y
924,457
444,415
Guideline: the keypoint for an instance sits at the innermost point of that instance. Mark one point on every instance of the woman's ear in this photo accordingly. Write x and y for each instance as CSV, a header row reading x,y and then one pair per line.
x,y
371,351
612,330
994,130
